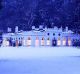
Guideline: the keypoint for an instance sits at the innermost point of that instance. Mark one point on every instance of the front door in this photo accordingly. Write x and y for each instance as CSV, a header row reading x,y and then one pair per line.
x,y
54,42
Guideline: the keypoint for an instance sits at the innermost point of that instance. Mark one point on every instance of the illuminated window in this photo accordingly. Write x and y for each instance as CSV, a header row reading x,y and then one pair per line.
x,y
37,41
69,41
29,41
7,42
4,43
58,42
48,42
17,42
42,42
64,42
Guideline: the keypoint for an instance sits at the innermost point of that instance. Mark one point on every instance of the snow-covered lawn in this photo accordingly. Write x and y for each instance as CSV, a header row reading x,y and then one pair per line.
x,y
37,52
39,60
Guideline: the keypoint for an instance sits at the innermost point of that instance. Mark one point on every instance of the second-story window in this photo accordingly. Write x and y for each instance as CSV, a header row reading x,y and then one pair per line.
x,y
53,34
48,34
59,34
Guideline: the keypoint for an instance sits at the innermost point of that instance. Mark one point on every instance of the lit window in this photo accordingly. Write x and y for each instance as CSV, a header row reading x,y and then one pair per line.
x,y
29,41
4,42
69,41
37,41
48,42
58,42
7,42
64,42
16,42
42,42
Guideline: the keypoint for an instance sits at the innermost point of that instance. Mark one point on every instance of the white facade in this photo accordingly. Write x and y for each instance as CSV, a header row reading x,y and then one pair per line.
x,y
42,37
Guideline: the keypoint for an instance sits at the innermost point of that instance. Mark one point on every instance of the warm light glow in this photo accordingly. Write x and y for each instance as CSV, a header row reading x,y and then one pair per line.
x,y
5,42
48,42
69,42
29,41
64,42
16,42
58,42
37,41
42,42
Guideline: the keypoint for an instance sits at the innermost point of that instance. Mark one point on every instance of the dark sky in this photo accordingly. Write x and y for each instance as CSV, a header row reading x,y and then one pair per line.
x,y
50,13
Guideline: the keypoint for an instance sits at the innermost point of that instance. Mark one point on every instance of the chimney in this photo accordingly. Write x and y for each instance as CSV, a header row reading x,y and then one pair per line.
x,y
9,30
40,27
33,27
66,29
16,29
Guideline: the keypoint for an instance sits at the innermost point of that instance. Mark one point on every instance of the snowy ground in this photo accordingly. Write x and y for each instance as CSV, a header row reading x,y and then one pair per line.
x,y
37,52
39,60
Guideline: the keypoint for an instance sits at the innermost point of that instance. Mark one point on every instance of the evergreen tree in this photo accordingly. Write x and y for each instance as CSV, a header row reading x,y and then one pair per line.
x,y
50,13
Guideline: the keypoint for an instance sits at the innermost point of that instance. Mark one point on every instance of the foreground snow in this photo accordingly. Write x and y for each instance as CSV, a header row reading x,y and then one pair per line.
x,y
62,65
36,52
40,60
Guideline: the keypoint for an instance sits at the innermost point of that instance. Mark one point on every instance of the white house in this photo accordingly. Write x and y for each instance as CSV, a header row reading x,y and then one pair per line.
x,y
41,37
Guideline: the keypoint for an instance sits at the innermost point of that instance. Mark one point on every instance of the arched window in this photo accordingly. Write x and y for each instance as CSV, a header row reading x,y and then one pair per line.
x,y
58,42
17,42
69,41
48,42
54,42
42,41
4,42
29,41
37,41
7,42
64,42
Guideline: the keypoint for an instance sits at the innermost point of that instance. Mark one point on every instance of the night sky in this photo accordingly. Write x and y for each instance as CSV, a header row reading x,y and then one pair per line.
x,y
50,13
